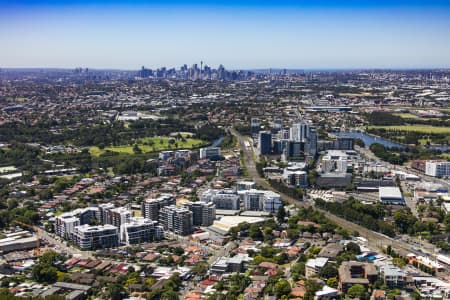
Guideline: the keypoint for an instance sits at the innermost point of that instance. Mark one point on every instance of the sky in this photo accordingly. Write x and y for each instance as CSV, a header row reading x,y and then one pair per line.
x,y
248,34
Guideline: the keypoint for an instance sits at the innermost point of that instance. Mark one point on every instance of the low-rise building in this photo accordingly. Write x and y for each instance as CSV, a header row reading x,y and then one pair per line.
x,y
210,152
391,195
314,265
352,272
392,276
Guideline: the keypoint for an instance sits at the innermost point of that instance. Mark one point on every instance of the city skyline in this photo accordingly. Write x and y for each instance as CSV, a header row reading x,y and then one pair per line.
x,y
106,34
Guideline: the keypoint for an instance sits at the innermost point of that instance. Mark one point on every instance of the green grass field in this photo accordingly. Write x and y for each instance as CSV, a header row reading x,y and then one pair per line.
x,y
151,144
416,128
406,116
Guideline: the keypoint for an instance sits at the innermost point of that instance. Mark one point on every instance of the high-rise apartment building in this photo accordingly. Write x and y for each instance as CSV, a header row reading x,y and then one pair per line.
x,y
89,237
203,213
140,230
179,220
150,208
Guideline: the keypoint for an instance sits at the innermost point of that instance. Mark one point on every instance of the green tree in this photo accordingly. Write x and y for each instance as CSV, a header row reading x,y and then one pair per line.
x,y
328,271
281,214
357,291
115,291
282,288
44,273
353,248
333,282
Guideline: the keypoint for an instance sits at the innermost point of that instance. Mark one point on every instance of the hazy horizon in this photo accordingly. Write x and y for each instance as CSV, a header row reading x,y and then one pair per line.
x,y
312,35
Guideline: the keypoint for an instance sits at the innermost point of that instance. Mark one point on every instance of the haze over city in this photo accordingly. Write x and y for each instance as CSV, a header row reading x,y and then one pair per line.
x,y
238,34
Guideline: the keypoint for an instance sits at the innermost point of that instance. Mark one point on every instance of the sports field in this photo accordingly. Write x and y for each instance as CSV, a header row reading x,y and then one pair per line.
x,y
151,144
416,128
406,116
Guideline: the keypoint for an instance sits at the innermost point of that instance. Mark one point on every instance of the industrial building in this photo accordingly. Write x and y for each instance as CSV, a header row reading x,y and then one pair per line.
x,y
391,195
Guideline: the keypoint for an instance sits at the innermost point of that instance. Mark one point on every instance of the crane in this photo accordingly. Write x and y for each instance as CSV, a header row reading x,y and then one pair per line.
x,y
37,251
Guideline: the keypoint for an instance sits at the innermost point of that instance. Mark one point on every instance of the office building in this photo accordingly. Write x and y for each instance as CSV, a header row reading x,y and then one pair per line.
x,y
179,220
255,125
437,168
210,153
343,143
312,142
265,143
150,208
89,237
299,132
140,230
295,150
295,176
203,213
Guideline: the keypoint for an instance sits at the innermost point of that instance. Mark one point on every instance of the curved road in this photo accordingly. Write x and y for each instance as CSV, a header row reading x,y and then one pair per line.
x,y
375,239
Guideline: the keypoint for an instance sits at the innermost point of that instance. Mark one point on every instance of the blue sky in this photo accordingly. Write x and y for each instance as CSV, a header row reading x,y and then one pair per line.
x,y
313,34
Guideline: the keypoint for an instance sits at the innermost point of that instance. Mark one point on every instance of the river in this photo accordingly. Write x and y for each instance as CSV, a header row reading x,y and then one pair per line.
x,y
371,139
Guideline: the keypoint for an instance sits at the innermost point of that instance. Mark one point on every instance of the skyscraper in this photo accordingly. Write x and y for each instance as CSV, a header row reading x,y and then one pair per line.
x,y
265,143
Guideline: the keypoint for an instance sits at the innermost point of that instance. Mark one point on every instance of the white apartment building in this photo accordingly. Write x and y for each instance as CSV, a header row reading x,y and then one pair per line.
x,y
209,152
257,200
140,230
65,224
437,168
89,237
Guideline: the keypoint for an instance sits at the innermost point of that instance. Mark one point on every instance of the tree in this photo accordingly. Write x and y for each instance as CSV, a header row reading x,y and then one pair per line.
x,y
328,271
357,291
312,286
281,214
282,288
255,233
44,273
353,248
333,282
200,269
115,291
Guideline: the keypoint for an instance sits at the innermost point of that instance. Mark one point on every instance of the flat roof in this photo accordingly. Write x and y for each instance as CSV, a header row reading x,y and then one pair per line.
x,y
390,192
227,222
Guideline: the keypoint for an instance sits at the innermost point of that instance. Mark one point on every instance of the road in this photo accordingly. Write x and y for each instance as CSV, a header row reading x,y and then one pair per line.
x,y
375,239
61,246
371,156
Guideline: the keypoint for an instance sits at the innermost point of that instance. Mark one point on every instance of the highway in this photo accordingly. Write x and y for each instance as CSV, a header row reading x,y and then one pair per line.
x,y
375,239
